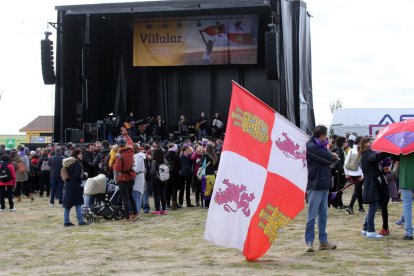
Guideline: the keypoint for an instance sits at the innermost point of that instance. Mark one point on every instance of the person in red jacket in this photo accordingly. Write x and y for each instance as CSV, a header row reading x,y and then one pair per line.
x,y
124,163
7,187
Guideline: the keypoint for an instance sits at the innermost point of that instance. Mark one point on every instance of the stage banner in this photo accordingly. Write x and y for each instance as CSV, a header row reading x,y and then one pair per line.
x,y
206,40
261,180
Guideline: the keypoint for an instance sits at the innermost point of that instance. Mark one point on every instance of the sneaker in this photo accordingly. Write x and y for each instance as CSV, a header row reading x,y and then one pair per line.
x,y
384,232
13,210
361,210
327,246
408,238
399,223
1,210
363,233
374,235
190,205
163,212
68,224
61,205
52,205
349,210
309,247
156,213
82,223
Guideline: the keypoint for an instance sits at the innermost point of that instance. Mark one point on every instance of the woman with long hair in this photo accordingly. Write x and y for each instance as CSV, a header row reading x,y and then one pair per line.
x,y
211,162
73,195
159,187
375,186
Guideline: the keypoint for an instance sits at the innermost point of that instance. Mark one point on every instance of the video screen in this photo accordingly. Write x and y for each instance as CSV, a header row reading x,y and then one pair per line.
x,y
204,40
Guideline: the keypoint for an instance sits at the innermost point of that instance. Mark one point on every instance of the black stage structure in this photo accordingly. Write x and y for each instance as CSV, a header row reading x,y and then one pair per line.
x,y
95,75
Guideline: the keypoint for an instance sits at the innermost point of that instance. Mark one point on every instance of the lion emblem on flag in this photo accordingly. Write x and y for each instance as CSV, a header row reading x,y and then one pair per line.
x,y
234,197
291,149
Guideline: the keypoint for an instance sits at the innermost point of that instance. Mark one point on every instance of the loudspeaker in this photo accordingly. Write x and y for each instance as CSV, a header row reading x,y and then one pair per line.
x,y
272,55
48,69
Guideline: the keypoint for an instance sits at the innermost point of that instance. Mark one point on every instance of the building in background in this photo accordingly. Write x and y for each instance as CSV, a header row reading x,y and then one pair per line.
x,y
40,130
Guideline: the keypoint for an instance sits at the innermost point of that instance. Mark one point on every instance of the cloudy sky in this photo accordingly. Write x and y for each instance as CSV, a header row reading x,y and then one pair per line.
x,y
362,54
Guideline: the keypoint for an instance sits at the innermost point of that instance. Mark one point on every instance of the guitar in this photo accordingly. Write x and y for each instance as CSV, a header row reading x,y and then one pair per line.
x,y
130,124
143,127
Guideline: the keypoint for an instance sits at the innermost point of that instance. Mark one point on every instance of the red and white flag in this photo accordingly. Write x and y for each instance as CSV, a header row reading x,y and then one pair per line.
x,y
261,181
239,31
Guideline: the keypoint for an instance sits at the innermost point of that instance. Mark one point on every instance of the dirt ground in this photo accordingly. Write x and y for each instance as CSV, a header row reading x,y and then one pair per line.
x,y
34,242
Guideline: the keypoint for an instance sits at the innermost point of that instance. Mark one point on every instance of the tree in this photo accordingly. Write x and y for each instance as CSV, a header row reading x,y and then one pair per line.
x,y
335,105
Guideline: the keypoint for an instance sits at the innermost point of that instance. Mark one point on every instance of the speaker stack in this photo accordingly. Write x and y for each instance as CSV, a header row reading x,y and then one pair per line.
x,y
48,69
272,56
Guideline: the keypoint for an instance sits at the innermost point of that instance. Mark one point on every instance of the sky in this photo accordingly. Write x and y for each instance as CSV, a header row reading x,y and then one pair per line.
x,y
362,55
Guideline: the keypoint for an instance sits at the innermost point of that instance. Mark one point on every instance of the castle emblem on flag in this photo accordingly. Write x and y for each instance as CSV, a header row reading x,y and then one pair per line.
x,y
291,149
251,124
236,194
272,221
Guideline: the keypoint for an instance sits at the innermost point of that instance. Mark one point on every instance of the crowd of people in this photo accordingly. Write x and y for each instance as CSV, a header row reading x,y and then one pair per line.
x,y
377,177
134,167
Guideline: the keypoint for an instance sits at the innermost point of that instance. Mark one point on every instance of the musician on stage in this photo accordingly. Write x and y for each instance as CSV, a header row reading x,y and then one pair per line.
x,y
160,128
130,124
182,126
201,126
217,126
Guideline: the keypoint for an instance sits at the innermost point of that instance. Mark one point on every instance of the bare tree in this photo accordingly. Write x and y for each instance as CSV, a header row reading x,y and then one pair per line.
x,y
335,105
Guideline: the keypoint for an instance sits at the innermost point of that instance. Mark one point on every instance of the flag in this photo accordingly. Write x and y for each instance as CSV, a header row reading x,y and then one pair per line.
x,y
261,180
214,30
239,31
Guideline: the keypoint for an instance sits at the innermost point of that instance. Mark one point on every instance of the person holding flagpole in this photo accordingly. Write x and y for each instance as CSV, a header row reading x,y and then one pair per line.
x,y
319,160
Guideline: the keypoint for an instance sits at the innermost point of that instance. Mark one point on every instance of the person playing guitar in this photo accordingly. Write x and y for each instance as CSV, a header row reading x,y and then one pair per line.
x,y
201,126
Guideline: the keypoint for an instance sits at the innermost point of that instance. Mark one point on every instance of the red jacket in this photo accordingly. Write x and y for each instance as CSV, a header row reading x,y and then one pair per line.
x,y
12,181
124,164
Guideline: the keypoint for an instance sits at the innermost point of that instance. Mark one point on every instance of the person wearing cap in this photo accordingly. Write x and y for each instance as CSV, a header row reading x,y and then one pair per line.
x,y
351,140
356,177
124,168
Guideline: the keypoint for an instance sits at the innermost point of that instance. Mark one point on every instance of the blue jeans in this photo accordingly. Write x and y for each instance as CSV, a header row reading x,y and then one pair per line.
x,y
407,198
66,213
56,188
317,207
137,197
144,198
369,224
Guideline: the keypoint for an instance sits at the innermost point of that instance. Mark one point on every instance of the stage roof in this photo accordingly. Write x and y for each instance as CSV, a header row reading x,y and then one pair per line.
x,y
162,6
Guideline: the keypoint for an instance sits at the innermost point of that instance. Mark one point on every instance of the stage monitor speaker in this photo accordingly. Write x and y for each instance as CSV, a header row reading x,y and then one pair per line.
x,y
48,69
272,55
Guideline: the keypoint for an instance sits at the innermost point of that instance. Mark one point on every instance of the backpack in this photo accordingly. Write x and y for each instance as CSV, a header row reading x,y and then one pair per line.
x,y
21,167
5,173
163,172
64,173
353,162
45,166
104,165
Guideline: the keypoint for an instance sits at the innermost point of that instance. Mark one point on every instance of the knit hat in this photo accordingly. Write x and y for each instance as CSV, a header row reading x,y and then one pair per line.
x,y
351,138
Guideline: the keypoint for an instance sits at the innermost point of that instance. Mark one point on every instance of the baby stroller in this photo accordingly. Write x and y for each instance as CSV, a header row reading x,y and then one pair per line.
x,y
106,198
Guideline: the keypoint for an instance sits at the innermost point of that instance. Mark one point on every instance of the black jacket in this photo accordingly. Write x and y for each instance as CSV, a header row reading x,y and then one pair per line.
x,y
73,194
319,171
55,163
375,185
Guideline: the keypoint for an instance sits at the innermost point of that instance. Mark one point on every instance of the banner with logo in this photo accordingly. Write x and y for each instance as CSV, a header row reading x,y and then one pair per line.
x,y
261,180
206,40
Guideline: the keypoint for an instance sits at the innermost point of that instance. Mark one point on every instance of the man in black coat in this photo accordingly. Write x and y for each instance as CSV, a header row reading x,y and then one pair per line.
x,y
319,160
